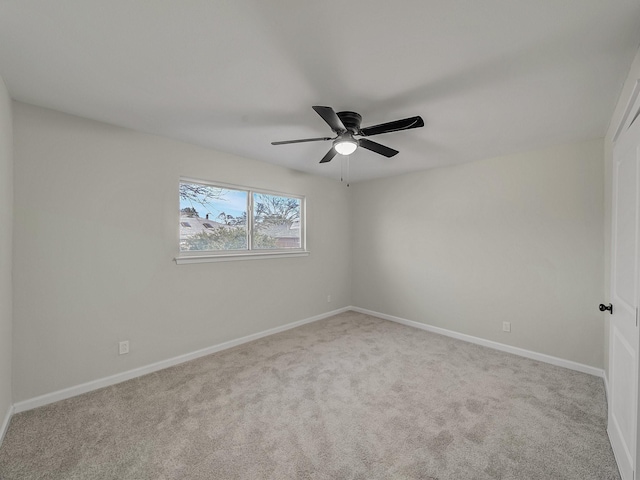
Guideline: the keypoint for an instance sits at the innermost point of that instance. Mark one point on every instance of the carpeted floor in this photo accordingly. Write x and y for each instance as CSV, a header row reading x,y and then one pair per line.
x,y
349,397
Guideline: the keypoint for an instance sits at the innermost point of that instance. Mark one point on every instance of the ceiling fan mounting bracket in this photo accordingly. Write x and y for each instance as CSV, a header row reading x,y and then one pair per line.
x,y
351,121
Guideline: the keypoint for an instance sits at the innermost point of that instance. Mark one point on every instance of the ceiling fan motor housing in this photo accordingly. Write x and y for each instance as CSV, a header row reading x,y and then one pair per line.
x,y
351,120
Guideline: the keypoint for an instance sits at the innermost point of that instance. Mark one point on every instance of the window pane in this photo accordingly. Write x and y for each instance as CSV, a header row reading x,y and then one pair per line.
x,y
276,222
212,218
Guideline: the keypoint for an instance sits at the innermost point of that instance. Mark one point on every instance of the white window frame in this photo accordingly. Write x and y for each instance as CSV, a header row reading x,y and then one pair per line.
x,y
203,256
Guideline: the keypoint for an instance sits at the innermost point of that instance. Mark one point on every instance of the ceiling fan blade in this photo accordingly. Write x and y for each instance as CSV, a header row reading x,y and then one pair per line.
x,y
404,124
331,117
329,156
376,147
301,141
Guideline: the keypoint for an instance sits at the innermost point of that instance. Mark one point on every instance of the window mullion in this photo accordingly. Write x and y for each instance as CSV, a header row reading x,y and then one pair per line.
x,y
250,220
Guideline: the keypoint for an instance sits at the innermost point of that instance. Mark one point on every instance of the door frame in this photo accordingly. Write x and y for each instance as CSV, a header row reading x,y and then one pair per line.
x,y
631,116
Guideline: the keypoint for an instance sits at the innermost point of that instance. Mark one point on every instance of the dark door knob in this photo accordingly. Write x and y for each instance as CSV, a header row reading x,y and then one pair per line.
x,y
604,307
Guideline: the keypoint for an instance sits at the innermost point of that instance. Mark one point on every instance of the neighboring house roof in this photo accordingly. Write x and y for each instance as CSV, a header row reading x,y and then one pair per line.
x,y
190,226
282,231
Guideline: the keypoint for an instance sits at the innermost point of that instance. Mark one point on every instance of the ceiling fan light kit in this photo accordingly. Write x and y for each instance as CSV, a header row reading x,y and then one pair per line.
x,y
347,124
345,144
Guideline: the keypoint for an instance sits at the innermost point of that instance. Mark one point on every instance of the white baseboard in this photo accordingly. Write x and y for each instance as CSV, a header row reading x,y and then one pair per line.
x,y
154,367
541,357
606,387
5,423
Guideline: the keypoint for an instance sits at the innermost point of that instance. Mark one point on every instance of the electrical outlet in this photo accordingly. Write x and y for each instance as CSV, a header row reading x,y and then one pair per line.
x,y
328,298
123,347
506,326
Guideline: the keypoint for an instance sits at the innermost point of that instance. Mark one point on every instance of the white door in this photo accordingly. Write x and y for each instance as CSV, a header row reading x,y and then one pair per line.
x,y
623,333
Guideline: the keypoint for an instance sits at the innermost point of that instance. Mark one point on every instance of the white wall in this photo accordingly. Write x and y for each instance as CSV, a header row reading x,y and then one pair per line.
x,y
6,235
517,239
616,118
96,232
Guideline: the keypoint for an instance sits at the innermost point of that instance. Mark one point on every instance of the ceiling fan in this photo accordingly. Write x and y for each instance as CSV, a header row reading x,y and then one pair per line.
x,y
347,124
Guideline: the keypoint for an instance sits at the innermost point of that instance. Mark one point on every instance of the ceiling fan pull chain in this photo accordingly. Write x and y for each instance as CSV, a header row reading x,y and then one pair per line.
x,y
348,157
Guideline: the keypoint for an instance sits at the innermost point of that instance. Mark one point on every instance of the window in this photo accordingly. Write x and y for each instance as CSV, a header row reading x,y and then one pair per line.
x,y
219,221
276,221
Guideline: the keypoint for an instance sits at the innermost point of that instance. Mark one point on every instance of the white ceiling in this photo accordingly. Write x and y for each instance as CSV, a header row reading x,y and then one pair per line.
x,y
488,77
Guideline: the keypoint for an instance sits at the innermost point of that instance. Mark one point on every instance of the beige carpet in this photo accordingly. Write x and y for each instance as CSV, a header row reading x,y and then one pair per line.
x,y
349,397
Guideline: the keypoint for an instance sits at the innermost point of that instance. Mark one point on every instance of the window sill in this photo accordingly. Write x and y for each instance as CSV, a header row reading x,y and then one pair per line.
x,y
232,257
